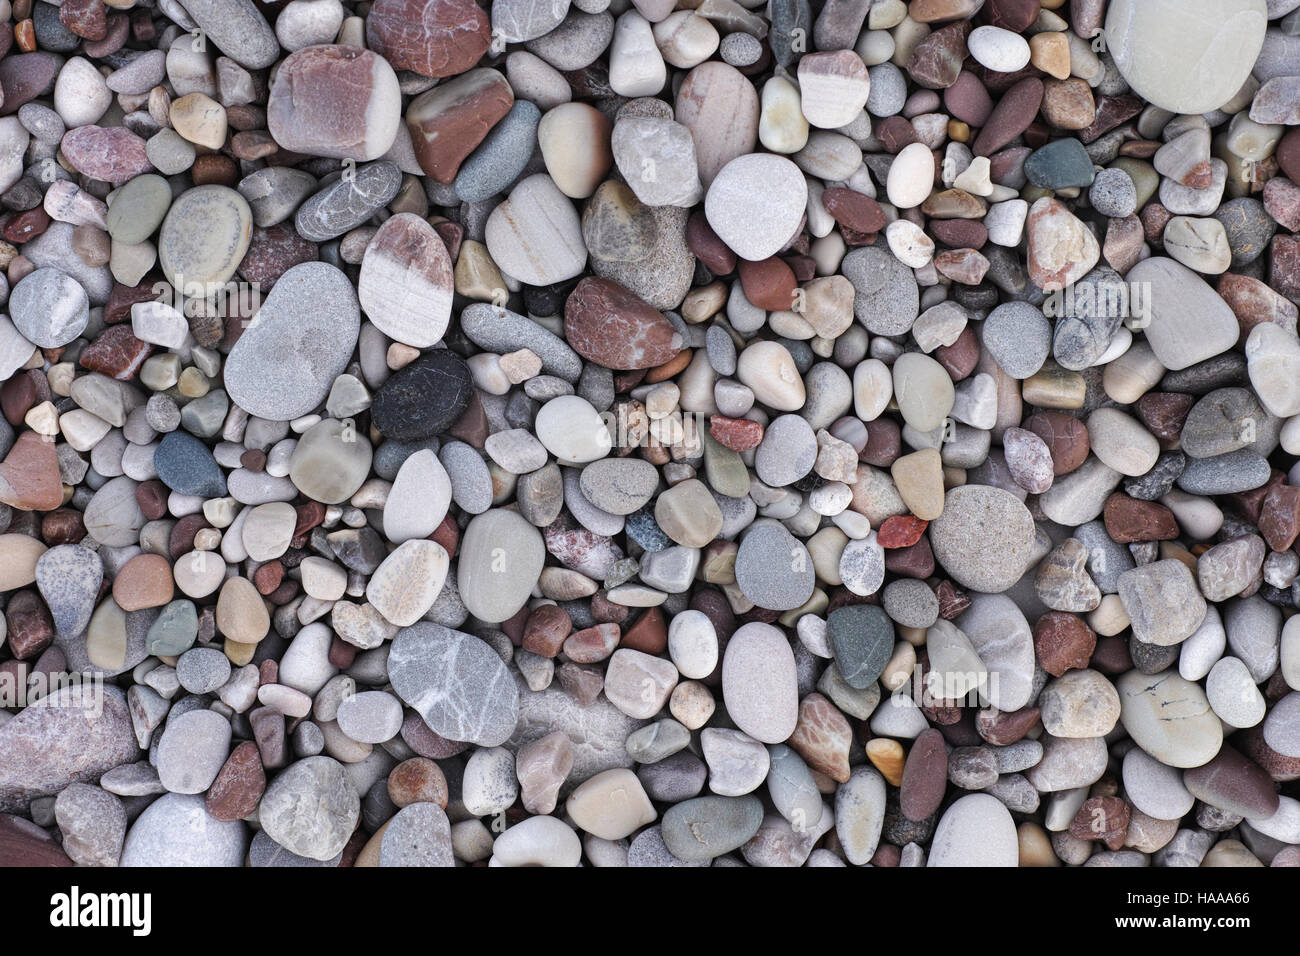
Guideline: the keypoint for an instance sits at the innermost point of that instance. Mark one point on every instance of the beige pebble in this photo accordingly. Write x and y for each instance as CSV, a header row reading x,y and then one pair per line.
x,y
769,371
899,667
241,612
199,119
21,552
574,140
611,805
1035,846
691,704
1109,617
520,366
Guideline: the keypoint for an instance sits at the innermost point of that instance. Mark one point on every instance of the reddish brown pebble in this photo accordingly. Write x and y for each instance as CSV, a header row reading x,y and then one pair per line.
x,y
449,121
1279,516
341,653
116,353
707,247
546,629
952,600
1232,781
272,252
960,358
1011,117
1111,656
968,100
1062,641
1001,728
613,327
268,576
431,37
853,209
592,644
1066,439
87,19
62,526
1130,519
29,475
1101,818
582,683
925,776
960,233
1111,112
23,843
936,61
417,780
965,266
884,441
1163,413
648,634
31,629
447,535
113,154
901,531
915,561
144,581
1253,302
239,785
738,434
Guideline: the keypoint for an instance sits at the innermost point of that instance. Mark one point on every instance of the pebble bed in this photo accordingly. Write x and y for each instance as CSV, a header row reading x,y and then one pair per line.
x,y
650,433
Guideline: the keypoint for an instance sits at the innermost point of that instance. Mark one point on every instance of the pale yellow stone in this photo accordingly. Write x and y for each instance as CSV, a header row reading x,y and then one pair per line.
x,y
1035,846
1230,853
106,636
919,480
611,805
887,757
241,612
477,276
193,383
1050,52
1055,387
400,356
704,303
199,119
43,419
899,667
691,704
1109,617
21,552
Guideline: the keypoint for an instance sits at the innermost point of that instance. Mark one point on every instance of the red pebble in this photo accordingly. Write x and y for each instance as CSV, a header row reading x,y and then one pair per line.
x,y
738,434
901,531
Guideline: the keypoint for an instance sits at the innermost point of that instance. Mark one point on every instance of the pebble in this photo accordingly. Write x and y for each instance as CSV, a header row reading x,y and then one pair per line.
x,y
976,830
456,682
49,308
192,749
759,683
747,185
1169,717
310,808
294,320
1162,56
405,284
534,235
176,830
983,537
